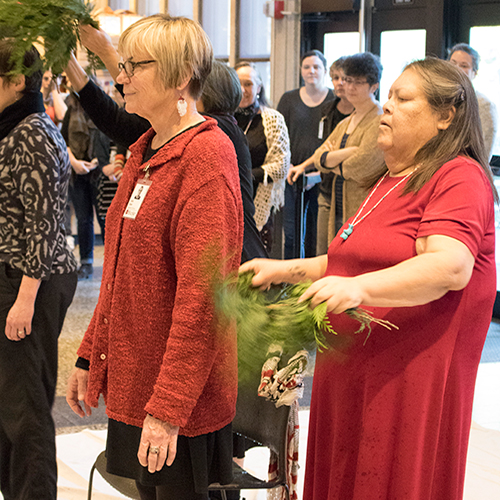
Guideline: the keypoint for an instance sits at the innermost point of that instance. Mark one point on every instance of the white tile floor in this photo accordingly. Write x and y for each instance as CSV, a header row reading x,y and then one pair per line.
x,y
76,452
486,410
483,464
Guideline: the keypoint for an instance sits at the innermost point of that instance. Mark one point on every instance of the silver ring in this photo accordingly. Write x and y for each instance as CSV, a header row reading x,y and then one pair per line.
x,y
154,450
20,331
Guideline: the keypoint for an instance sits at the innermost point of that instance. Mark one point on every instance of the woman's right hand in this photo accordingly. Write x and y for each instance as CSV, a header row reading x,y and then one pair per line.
x,y
294,172
267,272
95,40
77,390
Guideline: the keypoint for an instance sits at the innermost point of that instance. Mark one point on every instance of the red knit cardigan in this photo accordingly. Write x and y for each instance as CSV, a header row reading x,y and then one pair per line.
x,y
154,343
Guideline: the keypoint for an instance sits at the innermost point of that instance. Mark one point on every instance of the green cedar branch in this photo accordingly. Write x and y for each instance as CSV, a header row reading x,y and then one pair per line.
x,y
51,23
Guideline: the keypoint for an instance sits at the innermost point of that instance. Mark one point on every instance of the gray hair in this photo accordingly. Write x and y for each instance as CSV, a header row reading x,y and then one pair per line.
x,y
222,91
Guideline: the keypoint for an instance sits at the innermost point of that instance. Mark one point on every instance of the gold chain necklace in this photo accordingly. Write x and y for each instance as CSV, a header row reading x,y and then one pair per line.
x,y
347,232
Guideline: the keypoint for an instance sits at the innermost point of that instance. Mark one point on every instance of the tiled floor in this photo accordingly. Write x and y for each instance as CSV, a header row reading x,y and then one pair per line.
x,y
485,445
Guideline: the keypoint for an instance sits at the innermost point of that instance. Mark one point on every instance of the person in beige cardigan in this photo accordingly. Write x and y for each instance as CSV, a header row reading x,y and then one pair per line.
x,y
351,151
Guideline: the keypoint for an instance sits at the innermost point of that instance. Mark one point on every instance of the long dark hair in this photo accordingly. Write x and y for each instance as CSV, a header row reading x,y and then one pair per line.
x,y
447,87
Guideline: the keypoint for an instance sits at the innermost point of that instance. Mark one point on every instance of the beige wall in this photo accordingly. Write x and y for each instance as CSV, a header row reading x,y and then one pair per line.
x,y
285,51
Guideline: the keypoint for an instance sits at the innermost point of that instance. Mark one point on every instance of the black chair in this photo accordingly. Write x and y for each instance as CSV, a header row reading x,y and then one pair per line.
x,y
124,485
256,419
261,422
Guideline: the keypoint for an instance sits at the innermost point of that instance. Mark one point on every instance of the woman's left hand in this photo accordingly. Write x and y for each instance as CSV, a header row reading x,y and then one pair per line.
x,y
339,293
160,435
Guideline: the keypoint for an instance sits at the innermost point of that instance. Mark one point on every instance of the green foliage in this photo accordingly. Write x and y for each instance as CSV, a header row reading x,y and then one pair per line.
x,y
53,23
276,317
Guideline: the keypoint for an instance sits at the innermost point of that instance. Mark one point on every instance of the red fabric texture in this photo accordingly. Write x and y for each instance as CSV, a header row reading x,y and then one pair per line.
x,y
153,343
390,419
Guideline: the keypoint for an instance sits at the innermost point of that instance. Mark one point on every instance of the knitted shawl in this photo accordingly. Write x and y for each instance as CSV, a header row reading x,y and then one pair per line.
x,y
276,163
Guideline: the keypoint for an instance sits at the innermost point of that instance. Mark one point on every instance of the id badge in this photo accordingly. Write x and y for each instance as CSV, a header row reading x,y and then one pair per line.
x,y
138,195
321,128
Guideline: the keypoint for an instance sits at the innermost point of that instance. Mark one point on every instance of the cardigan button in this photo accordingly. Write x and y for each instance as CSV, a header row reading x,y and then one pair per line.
x,y
105,321
108,286
103,356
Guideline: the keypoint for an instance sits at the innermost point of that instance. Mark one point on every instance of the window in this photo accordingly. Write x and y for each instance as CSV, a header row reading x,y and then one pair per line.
x,y
487,80
254,31
119,4
397,49
215,21
181,8
148,7
337,45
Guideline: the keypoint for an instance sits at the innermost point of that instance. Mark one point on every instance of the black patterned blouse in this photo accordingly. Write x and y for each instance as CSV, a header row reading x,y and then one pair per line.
x,y
34,177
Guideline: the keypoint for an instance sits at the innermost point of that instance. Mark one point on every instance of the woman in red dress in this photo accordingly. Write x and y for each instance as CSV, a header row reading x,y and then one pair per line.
x,y
391,413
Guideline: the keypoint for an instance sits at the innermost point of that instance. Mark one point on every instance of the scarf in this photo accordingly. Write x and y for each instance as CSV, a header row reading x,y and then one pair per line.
x,y
31,102
251,110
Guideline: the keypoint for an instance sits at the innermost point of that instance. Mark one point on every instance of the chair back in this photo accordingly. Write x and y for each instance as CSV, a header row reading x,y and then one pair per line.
x,y
259,420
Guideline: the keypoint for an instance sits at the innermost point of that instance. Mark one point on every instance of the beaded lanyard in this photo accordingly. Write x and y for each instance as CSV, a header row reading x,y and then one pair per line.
x,y
347,232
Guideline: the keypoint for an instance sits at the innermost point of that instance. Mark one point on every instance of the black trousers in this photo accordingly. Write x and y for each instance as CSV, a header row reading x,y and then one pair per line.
x,y
28,374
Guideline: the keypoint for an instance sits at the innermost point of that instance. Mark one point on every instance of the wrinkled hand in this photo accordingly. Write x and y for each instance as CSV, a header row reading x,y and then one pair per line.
x,y
95,40
19,318
156,433
77,390
82,167
294,172
339,293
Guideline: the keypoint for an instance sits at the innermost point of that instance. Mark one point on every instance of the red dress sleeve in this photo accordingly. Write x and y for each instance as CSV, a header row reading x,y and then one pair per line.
x,y
460,205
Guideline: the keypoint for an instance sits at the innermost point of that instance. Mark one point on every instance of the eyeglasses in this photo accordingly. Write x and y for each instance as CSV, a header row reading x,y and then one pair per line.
x,y
352,81
130,66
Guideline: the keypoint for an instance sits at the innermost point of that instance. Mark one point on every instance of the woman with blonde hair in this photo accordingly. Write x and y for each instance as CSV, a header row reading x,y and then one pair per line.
x,y
154,349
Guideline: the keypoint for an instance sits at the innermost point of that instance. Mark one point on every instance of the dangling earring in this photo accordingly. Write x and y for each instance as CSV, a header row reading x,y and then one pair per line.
x,y
181,106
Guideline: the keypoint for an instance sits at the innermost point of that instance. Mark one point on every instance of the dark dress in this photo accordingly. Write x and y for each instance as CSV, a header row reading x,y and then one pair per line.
x,y
391,414
305,128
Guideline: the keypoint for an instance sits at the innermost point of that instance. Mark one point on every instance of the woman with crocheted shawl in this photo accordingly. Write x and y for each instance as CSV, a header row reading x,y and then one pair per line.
x,y
269,144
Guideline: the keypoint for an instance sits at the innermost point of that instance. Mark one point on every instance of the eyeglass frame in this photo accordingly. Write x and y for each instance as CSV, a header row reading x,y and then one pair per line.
x,y
348,80
122,67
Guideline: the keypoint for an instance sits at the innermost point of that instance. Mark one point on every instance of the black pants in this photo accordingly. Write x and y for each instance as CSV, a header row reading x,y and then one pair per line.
x,y
83,194
28,374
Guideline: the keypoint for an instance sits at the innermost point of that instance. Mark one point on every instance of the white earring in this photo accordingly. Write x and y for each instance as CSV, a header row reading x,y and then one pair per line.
x,y
181,106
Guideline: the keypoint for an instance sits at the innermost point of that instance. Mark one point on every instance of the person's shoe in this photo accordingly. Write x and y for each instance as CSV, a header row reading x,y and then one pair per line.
x,y
85,272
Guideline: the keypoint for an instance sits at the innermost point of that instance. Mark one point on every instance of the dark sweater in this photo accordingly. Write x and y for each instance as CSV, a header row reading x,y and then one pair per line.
x,y
303,123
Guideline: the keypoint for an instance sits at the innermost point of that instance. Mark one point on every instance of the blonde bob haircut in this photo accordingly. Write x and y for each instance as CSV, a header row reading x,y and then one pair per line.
x,y
179,45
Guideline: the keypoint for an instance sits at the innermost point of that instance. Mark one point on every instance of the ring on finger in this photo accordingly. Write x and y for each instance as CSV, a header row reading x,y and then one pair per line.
x,y
20,332
154,450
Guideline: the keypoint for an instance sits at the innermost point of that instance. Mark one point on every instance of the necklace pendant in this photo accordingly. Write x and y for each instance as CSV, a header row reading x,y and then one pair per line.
x,y
347,232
